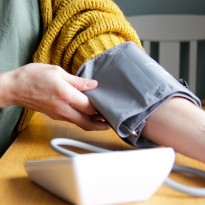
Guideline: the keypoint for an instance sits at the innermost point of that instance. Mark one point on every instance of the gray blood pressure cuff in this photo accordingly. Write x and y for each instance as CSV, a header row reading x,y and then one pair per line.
x,y
131,86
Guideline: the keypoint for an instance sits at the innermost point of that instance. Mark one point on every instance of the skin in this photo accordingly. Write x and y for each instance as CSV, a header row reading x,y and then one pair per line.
x,y
180,124
53,92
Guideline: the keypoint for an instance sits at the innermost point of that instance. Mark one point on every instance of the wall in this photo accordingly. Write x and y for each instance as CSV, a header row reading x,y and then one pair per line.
x,y
141,7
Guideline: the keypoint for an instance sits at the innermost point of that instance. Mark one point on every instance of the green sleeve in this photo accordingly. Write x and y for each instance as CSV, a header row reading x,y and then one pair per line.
x,y
19,38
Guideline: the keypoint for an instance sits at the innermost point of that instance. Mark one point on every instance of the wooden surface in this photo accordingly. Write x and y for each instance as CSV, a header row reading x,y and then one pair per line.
x,y
33,143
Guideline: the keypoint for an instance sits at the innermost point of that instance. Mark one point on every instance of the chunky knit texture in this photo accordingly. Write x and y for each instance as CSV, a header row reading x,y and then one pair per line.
x,y
74,31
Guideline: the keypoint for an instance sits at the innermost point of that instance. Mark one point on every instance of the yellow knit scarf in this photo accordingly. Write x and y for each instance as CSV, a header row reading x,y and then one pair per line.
x,y
74,31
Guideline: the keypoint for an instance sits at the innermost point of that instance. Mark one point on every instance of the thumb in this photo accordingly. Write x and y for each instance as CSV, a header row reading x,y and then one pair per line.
x,y
82,84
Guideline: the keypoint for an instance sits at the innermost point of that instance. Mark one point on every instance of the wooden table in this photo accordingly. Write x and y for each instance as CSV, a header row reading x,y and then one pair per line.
x,y
33,143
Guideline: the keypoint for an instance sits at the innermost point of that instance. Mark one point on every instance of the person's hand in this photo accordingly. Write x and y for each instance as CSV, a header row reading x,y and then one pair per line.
x,y
51,90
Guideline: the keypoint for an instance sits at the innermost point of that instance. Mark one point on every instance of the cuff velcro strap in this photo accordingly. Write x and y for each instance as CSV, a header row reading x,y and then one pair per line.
x,y
131,86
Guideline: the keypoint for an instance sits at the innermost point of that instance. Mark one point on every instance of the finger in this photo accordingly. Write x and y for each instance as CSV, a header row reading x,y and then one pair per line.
x,y
81,84
90,124
82,120
97,117
79,101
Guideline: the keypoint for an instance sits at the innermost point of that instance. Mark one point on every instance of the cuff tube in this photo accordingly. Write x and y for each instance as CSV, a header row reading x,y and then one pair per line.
x,y
131,85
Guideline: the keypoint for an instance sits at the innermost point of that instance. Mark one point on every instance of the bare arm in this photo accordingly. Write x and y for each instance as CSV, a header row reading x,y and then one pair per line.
x,y
179,124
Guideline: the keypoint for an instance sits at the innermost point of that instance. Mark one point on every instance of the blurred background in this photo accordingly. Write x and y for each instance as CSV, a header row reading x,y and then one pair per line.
x,y
146,7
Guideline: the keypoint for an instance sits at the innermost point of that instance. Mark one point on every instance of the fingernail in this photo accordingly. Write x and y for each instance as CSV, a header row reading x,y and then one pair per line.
x,y
90,83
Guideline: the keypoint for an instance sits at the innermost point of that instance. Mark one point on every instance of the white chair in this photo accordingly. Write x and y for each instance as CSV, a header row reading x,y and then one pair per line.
x,y
170,31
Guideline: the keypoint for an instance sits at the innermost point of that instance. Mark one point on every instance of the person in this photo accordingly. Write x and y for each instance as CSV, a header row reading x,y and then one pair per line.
x,y
61,35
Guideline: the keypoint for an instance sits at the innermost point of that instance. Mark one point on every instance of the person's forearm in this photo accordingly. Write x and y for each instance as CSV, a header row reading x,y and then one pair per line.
x,y
179,124
5,94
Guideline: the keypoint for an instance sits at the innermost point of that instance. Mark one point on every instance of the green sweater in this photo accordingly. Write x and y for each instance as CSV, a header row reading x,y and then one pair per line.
x,y
19,38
